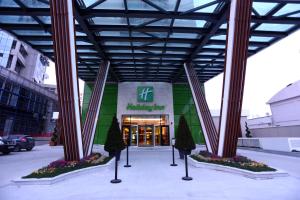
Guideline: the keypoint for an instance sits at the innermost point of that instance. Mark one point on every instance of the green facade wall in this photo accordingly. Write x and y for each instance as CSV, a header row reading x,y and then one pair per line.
x,y
184,104
107,111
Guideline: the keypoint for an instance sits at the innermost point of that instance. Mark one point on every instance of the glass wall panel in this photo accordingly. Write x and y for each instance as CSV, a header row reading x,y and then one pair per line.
x,y
288,9
168,5
6,93
274,27
12,19
263,8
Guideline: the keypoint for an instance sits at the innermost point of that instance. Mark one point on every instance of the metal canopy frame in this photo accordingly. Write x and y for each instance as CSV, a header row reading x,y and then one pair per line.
x,y
150,40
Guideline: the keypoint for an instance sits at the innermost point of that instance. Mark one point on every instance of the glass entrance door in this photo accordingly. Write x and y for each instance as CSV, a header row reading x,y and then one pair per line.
x,y
134,135
165,137
146,130
162,135
130,134
145,135
157,136
126,133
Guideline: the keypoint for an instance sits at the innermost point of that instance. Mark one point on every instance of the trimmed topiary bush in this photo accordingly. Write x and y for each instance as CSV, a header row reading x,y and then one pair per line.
x,y
184,141
248,132
114,143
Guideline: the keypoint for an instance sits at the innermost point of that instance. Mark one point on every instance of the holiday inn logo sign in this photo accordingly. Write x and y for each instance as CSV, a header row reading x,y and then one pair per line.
x,y
145,94
149,108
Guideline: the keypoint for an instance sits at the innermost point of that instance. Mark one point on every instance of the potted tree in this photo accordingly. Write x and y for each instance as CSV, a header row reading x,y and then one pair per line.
x,y
114,143
184,142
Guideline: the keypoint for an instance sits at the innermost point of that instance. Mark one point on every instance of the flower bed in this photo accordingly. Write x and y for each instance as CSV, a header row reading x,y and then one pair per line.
x,y
239,162
61,166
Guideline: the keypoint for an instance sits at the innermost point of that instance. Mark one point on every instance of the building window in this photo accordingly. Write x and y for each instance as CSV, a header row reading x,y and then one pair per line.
x,y
9,61
1,54
44,60
13,100
23,101
14,96
23,51
32,102
19,67
14,44
6,93
37,104
1,83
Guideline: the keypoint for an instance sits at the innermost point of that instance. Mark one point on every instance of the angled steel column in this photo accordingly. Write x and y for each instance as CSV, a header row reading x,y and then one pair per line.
x,y
94,108
66,76
234,76
206,121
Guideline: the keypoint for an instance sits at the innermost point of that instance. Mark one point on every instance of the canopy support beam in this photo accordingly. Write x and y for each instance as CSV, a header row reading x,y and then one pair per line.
x,y
94,108
63,34
206,121
234,76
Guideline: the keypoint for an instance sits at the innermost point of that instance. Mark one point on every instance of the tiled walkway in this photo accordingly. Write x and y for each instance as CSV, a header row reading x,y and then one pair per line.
x,y
151,177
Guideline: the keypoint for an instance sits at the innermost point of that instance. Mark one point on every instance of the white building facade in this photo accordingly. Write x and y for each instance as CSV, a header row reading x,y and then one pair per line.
x,y
285,118
20,58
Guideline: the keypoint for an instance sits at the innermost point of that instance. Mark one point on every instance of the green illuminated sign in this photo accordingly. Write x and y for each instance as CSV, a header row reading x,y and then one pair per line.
x,y
149,108
145,94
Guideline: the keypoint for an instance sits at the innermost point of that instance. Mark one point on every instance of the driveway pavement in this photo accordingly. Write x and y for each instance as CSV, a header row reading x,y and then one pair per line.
x,y
150,177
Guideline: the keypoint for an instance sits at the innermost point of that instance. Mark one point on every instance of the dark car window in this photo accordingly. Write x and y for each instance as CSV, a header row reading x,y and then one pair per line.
x,y
16,136
13,137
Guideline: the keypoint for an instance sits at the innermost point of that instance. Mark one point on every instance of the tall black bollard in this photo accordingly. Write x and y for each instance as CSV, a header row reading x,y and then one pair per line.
x,y
173,164
127,154
116,180
186,177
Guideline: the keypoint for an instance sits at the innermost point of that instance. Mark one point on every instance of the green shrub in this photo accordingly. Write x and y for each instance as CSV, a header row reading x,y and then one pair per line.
x,y
114,141
184,140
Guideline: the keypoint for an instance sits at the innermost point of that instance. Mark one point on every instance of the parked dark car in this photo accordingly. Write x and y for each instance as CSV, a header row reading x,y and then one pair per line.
x,y
22,142
6,146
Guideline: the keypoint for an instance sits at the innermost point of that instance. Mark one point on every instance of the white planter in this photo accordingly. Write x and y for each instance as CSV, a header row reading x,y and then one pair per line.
x,y
246,173
280,143
49,181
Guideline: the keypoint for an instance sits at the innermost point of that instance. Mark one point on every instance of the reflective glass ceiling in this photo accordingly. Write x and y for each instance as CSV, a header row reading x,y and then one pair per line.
x,y
149,40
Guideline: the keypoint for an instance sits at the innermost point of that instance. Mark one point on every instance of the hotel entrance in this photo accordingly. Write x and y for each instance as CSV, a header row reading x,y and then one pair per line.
x,y
146,131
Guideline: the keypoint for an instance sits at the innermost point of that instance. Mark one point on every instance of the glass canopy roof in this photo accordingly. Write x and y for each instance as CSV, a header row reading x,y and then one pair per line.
x,y
149,40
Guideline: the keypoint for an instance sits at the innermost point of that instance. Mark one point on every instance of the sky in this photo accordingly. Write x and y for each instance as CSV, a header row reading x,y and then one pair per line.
x,y
268,71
